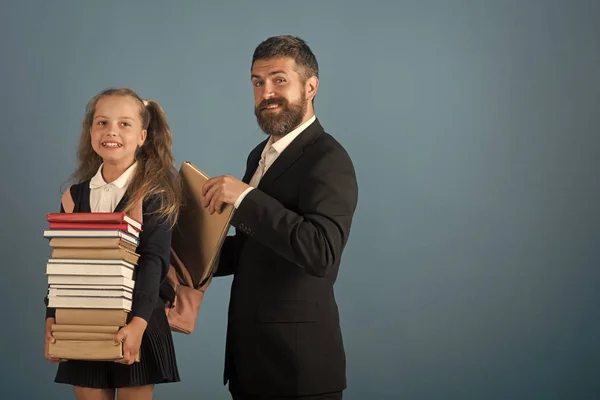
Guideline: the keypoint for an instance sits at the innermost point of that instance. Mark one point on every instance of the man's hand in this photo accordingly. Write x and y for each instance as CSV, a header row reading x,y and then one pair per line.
x,y
221,189
131,336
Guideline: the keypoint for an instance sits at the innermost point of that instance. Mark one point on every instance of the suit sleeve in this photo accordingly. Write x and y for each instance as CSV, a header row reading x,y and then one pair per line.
x,y
153,264
228,256
314,236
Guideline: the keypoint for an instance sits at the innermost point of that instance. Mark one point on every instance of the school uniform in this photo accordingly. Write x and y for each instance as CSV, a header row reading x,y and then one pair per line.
x,y
157,354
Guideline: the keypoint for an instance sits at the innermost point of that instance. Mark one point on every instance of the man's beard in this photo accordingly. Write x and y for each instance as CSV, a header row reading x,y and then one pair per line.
x,y
283,121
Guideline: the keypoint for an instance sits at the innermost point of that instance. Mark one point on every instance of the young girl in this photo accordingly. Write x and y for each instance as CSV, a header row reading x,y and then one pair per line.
x,y
125,157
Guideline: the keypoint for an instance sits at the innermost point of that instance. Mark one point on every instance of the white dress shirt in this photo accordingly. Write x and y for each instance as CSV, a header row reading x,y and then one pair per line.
x,y
269,154
104,197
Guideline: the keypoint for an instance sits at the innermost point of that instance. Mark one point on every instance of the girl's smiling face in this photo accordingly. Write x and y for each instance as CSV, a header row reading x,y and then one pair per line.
x,y
116,130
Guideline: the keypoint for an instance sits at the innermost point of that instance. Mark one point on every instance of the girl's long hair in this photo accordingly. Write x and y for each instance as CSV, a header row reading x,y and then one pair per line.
x,y
155,173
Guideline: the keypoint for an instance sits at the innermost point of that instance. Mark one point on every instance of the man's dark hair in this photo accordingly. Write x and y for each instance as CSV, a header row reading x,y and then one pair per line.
x,y
289,46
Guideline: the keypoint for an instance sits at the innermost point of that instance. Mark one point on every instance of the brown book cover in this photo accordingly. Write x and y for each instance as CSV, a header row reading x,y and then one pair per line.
x,y
91,243
82,316
85,328
198,236
98,350
97,234
60,335
83,253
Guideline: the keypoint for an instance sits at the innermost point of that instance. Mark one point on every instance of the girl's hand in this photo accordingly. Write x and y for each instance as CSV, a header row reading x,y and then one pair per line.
x,y
50,339
131,337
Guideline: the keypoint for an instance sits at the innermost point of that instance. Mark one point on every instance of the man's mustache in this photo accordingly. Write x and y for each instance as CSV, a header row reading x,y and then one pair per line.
x,y
269,102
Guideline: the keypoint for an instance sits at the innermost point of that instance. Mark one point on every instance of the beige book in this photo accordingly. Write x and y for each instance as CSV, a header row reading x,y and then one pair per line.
x,y
91,253
198,236
89,243
118,303
90,287
92,280
91,233
81,316
89,269
73,292
86,350
59,335
85,328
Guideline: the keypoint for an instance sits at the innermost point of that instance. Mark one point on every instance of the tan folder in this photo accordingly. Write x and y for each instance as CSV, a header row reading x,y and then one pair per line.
x,y
198,236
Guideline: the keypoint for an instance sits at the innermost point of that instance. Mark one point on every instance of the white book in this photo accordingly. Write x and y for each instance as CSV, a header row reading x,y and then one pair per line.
x,y
81,233
94,261
89,302
91,287
90,280
89,269
89,293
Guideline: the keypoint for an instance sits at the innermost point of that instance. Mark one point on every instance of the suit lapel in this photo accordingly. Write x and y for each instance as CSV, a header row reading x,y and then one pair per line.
x,y
287,158
253,160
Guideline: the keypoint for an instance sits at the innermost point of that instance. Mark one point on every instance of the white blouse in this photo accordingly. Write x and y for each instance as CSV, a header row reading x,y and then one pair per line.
x,y
104,197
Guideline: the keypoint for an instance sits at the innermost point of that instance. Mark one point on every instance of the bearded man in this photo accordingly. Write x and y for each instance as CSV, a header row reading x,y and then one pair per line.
x,y
293,213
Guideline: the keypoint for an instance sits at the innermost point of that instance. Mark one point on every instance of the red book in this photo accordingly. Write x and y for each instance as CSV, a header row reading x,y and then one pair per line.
x,y
98,218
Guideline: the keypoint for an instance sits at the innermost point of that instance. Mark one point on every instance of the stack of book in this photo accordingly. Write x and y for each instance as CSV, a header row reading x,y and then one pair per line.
x,y
91,277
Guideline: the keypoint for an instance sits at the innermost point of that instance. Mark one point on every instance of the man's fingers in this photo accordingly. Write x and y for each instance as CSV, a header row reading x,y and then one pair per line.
x,y
210,194
209,184
214,202
214,195
218,191
218,206
206,187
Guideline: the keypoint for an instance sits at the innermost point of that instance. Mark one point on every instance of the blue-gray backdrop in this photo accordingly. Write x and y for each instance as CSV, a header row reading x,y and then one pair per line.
x,y
472,268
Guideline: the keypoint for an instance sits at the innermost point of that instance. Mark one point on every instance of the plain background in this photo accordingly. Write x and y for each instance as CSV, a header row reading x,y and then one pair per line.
x,y
472,267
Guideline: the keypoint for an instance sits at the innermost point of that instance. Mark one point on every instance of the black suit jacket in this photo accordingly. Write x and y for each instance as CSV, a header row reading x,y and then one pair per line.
x,y
283,335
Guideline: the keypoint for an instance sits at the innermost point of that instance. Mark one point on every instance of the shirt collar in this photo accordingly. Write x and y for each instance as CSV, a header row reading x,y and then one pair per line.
x,y
285,141
122,181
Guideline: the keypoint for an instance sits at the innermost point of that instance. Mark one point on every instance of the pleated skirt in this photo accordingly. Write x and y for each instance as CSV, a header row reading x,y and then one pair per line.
x,y
157,363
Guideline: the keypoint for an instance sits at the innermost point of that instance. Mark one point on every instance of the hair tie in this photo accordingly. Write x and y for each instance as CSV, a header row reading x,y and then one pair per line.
x,y
146,103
